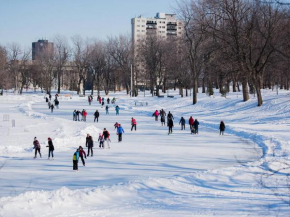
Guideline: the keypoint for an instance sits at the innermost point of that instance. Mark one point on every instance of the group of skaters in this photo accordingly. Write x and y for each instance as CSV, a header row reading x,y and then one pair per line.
x,y
53,105
101,100
193,124
104,138
77,113
37,148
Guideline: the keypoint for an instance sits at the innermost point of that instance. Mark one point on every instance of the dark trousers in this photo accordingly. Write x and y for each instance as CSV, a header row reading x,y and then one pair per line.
x,y
182,127
196,131
169,129
120,137
83,160
101,144
50,151
90,148
37,150
134,126
222,132
97,119
75,165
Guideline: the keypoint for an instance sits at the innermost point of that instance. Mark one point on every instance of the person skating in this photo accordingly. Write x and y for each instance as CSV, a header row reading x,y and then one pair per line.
x,y
162,119
89,100
76,160
50,148
170,125
84,114
117,110
100,99
120,131
74,115
106,135
46,99
49,97
113,100
195,125
134,124
90,144
156,114
101,141
49,104
37,147
97,114
162,113
78,115
222,128
83,155
169,116
182,122
107,110
56,103
52,107
191,121
108,101
116,125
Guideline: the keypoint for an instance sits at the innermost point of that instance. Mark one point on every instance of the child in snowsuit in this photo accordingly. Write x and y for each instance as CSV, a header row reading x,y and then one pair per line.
x,y
182,122
156,114
76,160
101,141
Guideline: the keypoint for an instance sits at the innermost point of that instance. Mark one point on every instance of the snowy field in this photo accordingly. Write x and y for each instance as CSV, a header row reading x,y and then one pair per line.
x,y
150,173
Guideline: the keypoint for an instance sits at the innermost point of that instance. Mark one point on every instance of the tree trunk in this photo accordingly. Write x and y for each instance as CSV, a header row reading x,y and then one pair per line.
x,y
195,90
186,92
181,91
246,96
203,85
258,85
58,82
234,86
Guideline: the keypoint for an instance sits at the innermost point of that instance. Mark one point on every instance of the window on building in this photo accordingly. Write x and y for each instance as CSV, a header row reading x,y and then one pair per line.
x,y
138,25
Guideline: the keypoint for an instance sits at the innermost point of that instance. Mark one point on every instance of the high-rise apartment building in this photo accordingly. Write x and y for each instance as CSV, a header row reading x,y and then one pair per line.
x,y
162,25
42,47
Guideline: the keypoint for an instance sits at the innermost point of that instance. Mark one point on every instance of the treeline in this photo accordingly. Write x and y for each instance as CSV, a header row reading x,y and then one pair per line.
x,y
241,45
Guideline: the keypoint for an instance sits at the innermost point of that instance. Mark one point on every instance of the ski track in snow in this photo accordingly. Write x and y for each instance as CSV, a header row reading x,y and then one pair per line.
x,y
173,188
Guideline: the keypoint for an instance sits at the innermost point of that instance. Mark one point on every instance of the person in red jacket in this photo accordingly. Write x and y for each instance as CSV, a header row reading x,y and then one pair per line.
x,y
134,124
190,121
84,113
82,154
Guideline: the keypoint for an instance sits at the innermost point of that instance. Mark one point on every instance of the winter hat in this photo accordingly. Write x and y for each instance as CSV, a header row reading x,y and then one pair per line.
x,y
34,138
100,134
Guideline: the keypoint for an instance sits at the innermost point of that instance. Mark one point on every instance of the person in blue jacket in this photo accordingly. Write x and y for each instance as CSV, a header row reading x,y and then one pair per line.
x,y
195,124
76,160
182,122
120,131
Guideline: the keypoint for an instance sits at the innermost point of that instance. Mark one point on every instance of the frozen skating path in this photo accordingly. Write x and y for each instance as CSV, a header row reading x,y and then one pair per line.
x,y
148,152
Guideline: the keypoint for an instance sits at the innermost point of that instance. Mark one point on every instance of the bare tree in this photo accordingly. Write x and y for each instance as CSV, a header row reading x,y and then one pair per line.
x,y
61,55
120,48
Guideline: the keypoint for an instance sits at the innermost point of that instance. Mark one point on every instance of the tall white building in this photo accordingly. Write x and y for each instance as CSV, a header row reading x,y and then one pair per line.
x,y
163,25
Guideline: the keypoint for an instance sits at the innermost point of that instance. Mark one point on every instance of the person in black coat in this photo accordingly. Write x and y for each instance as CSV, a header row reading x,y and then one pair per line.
x,y
169,116
170,125
222,128
97,115
89,144
182,122
78,115
195,124
50,148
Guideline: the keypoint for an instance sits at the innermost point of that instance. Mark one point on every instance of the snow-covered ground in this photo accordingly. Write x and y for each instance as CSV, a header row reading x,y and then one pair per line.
x,y
150,173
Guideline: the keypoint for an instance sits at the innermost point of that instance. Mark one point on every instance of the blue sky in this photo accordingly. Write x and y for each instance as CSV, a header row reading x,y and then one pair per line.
x,y
25,21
